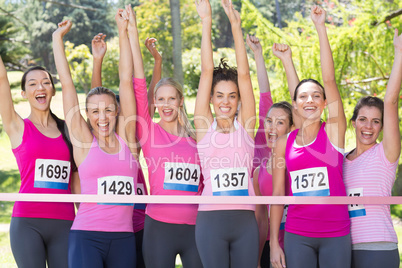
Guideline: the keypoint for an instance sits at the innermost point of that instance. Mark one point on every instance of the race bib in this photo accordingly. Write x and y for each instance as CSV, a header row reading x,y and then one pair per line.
x,y
229,181
285,214
116,185
356,210
53,174
310,182
182,176
140,191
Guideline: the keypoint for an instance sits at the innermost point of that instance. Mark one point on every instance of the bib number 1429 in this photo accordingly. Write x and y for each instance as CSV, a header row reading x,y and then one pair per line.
x,y
116,185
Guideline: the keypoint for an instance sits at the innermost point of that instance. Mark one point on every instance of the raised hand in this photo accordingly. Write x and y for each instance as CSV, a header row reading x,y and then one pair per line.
x,y
233,15
203,9
150,44
99,46
130,15
318,15
122,21
254,43
282,51
398,42
63,28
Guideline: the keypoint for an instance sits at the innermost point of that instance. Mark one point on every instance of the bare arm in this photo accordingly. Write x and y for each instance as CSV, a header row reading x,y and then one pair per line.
x,y
78,129
126,20
261,215
284,53
247,110
262,76
156,74
392,136
276,211
12,122
336,123
98,53
202,113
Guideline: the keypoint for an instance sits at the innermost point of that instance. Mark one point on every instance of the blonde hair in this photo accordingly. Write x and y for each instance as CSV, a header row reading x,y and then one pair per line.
x,y
182,116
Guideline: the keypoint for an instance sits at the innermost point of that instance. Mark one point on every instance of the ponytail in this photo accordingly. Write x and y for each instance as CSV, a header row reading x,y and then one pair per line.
x,y
62,127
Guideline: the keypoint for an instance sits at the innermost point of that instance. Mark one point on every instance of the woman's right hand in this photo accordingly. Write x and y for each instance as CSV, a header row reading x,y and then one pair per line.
x,y
254,43
99,46
203,9
63,28
150,44
277,256
282,51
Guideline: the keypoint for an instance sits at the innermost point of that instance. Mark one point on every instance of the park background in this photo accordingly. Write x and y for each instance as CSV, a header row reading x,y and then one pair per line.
x,y
360,33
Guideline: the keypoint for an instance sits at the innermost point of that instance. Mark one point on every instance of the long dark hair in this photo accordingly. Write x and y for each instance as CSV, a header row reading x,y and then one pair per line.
x,y
61,125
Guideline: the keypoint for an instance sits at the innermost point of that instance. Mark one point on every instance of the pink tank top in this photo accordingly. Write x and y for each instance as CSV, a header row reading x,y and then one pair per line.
x,y
265,183
261,151
173,164
370,174
139,209
316,170
226,161
107,174
45,168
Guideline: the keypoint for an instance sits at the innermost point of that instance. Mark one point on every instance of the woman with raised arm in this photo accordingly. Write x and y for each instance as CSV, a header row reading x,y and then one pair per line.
x,y
370,170
261,151
105,153
99,48
227,235
173,167
312,156
279,121
39,230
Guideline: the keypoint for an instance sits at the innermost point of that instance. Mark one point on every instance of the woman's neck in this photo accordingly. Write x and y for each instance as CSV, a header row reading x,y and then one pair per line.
x,y
309,131
41,118
360,149
173,127
225,124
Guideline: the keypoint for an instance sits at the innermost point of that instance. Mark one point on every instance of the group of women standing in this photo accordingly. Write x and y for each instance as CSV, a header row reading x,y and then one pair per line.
x,y
219,158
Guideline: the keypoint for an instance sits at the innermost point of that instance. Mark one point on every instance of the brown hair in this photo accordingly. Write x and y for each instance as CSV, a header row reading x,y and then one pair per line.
x,y
287,107
369,101
182,117
308,80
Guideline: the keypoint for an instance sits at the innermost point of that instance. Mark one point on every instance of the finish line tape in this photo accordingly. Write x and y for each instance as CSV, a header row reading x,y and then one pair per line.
x,y
182,199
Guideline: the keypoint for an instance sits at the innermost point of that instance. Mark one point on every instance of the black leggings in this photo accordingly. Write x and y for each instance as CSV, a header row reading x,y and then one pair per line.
x,y
311,252
163,241
227,238
138,247
265,260
35,241
375,258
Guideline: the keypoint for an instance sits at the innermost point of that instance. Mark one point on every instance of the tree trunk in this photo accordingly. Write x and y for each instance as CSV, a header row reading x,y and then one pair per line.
x,y
176,33
278,14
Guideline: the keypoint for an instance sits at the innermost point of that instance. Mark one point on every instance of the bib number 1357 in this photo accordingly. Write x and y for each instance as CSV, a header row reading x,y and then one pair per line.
x,y
229,181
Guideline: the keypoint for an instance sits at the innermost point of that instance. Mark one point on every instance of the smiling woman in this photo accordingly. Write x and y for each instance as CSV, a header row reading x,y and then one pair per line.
x,y
369,170
39,231
106,156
